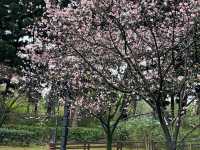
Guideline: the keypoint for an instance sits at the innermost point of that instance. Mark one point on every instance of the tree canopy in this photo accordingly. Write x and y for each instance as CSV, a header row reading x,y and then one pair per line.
x,y
15,15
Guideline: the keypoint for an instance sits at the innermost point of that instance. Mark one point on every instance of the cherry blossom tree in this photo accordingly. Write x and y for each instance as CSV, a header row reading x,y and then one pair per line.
x,y
108,107
50,67
54,72
153,41
100,101
138,47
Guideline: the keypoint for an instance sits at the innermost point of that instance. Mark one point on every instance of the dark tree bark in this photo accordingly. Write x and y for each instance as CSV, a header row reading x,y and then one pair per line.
x,y
35,108
109,139
65,125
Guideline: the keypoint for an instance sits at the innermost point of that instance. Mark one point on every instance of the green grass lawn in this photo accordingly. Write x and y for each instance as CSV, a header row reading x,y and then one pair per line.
x,y
24,148
40,148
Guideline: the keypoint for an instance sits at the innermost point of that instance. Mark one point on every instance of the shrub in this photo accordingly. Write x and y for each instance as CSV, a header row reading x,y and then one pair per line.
x,y
41,134
85,134
88,123
139,129
27,119
12,136
121,133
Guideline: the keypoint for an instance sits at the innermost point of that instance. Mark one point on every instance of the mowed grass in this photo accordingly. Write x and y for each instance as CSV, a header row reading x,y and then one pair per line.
x,y
43,148
23,148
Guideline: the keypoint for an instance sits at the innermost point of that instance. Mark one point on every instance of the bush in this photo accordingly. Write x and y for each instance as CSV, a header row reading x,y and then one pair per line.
x,y
88,123
121,133
139,129
27,119
12,136
85,134
41,134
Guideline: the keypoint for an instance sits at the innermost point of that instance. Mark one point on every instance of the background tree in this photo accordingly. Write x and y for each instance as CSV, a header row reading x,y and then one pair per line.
x,y
15,16
51,67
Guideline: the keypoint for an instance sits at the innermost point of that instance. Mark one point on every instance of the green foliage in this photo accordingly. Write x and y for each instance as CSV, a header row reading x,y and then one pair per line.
x,y
12,136
121,133
26,119
192,118
133,129
16,15
89,122
6,106
138,129
143,107
85,134
41,134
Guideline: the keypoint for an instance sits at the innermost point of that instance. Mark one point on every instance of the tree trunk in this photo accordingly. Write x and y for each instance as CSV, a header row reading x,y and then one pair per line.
x,y
75,117
36,108
65,126
109,141
169,139
28,108
53,136
171,145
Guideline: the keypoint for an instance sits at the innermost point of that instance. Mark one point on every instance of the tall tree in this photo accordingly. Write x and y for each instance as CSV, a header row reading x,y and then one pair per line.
x,y
15,16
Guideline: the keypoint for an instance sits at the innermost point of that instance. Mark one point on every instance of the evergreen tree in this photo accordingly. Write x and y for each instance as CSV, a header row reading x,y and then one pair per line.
x,y
15,15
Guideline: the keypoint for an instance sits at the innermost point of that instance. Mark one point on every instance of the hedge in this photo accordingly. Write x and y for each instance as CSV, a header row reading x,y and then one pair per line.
x,y
12,136
40,135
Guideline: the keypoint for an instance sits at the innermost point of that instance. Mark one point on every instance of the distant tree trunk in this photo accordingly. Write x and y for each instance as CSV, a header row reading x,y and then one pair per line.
x,y
28,108
65,125
50,108
35,108
53,136
75,117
